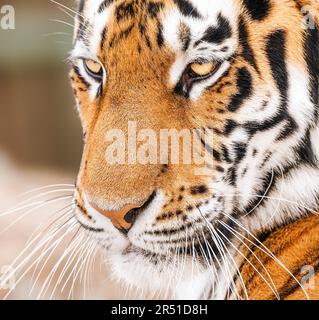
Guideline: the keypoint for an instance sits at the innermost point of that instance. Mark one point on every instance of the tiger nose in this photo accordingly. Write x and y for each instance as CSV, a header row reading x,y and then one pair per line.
x,y
122,219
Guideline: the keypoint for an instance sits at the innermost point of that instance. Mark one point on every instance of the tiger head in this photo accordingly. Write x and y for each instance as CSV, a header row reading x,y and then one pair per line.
x,y
243,72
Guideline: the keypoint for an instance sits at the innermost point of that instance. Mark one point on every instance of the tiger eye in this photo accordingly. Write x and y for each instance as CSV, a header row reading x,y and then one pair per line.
x,y
202,69
93,66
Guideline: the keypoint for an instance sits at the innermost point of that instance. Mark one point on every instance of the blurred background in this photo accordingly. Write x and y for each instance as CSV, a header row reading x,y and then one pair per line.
x,y
38,125
40,134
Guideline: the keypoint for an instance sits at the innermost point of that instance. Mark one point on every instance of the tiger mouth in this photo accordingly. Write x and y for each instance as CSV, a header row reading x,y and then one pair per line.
x,y
151,256
89,228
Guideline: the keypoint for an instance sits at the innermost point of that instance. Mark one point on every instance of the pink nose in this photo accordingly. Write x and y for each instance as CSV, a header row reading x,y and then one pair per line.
x,y
122,219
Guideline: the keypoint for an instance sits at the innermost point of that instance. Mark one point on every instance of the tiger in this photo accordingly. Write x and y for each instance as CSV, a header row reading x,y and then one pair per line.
x,y
242,224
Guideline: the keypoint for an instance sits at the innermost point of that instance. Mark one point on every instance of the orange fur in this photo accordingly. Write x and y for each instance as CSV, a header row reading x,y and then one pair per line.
x,y
296,247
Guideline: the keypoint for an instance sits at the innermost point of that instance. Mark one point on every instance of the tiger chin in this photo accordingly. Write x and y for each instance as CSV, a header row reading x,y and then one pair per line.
x,y
246,71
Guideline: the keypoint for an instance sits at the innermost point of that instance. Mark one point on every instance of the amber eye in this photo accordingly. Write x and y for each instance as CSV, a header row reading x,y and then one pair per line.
x,y
94,69
202,70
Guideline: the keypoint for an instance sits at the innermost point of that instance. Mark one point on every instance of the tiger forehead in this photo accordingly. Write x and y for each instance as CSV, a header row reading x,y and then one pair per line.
x,y
115,20
123,10
136,17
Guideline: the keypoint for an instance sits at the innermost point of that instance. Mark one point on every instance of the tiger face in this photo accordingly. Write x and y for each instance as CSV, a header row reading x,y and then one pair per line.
x,y
244,72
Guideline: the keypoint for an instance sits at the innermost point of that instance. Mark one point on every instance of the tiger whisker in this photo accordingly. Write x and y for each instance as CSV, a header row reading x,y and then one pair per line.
x,y
218,246
48,226
77,13
85,260
74,262
34,262
313,211
62,22
57,199
84,267
57,33
49,235
215,274
278,204
47,259
226,263
90,268
26,205
80,269
71,250
78,256
263,196
210,265
45,187
80,22
72,244
272,285
174,275
170,255
183,258
47,283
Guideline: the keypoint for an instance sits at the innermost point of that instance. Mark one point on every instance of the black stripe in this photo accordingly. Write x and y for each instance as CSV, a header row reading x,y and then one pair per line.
x,y
305,151
312,59
187,9
104,5
230,126
225,152
103,38
217,34
279,250
216,155
251,252
81,6
223,232
244,85
276,53
247,53
198,190
258,9
125,11
159,36
211,151
82,31
78,73
99,92
311,258
126,32
154,8
288,291
263,193
240,150
290,127
231,176
185,37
